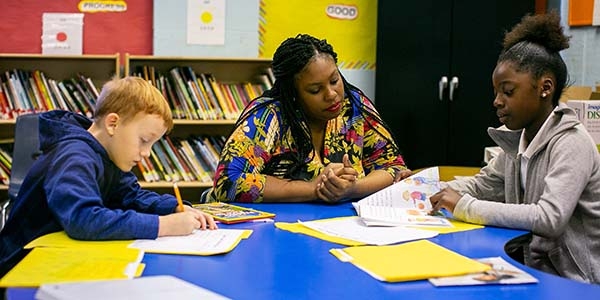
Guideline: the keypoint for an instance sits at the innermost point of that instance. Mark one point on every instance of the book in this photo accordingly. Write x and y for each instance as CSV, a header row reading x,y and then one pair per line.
x,y
151,287
404,203
501,272
409,261
229,213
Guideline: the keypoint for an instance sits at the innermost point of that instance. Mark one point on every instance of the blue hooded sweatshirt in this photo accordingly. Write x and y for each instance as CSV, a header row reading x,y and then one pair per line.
x,y
75,187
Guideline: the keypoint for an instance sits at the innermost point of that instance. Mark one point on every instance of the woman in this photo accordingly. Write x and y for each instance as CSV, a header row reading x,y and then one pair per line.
x,y
312,136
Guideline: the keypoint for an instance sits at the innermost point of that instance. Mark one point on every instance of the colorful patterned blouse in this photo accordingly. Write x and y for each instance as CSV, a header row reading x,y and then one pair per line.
x,y
261,137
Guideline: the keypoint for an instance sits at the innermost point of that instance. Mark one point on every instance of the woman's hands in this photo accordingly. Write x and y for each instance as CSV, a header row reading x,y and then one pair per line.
x,y
337,181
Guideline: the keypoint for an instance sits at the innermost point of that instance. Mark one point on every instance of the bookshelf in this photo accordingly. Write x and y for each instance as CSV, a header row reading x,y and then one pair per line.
x,y
99,68
224,70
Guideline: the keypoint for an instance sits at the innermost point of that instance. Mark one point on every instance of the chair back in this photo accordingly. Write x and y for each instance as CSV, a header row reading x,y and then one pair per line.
x,y
25,151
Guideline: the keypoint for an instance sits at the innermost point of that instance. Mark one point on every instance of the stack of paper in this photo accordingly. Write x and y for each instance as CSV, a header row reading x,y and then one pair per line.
x,y
409,261
57,258
147,288
55,265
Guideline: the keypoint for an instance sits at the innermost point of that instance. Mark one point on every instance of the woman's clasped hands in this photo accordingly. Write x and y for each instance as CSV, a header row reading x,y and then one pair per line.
x,y
337,181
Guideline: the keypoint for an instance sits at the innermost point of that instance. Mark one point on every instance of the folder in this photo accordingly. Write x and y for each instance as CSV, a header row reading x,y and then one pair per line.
x,y
409,261
55,265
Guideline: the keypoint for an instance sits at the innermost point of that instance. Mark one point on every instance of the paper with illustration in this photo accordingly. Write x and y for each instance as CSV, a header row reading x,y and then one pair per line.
x,y
404,203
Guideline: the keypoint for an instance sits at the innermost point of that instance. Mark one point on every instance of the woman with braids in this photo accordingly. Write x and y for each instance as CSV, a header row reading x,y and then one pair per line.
x,y
547,179
313,136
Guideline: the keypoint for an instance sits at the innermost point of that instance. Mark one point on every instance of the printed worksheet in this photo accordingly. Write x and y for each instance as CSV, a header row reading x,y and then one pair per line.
x,y
201,242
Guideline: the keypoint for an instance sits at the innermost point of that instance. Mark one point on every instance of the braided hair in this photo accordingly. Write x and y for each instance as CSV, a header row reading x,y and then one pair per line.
x,y
533,46
290,58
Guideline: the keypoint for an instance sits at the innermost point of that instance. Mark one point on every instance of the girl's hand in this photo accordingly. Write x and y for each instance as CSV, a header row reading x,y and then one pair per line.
x,y
446,198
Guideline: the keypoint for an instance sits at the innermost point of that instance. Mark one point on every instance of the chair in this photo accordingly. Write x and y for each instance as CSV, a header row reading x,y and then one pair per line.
x,y
448,173
25,152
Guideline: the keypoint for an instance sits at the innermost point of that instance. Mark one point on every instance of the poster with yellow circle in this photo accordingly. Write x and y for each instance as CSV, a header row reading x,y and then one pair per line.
x,y
349,26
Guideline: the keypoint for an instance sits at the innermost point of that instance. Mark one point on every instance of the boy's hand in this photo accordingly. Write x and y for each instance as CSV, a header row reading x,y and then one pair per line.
x,y
185,223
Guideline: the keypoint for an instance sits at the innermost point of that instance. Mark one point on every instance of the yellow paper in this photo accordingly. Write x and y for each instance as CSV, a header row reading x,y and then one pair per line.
x,y
201,242
53,265
409,261
456,227
60,239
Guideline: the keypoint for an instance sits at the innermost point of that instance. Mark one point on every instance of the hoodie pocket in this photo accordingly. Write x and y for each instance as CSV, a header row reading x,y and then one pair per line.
x,y
565,264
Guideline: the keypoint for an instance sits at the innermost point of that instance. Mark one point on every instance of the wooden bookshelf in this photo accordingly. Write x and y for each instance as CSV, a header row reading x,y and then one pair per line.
x,y
99,68
224,70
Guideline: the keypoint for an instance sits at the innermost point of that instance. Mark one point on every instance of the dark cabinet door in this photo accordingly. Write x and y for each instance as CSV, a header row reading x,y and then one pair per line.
x,y
433,78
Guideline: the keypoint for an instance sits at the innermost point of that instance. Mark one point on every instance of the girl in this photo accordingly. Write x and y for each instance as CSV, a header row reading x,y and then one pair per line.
x,y
547,179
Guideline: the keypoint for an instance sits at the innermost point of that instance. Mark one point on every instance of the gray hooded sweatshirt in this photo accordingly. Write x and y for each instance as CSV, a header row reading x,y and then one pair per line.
x,y
560,204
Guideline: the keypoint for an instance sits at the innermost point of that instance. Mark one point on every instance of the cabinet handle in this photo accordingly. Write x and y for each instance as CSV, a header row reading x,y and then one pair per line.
x,y
453,87
443,84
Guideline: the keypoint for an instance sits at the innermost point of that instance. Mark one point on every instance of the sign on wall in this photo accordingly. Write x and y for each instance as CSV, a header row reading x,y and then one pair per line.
x,y
349,26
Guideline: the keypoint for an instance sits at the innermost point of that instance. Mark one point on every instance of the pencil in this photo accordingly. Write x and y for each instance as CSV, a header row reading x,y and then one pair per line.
x,y
178,196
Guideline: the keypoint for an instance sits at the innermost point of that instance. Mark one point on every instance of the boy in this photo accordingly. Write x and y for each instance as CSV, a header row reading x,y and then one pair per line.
x,y
83,184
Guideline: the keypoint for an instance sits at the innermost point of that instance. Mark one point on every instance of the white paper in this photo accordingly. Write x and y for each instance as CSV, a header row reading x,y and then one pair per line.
x,y
394,216
62,33
206,22
147,288
201,242
354,229
403,203
596,13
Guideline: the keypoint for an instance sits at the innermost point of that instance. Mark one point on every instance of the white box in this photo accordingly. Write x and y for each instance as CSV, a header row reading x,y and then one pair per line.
x,y
588,112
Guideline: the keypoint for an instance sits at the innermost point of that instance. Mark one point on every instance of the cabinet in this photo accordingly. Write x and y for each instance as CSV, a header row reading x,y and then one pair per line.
x,y
99,68
224,70
433,78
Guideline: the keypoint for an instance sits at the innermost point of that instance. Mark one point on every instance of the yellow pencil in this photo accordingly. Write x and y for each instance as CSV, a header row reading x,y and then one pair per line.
x,y
178,196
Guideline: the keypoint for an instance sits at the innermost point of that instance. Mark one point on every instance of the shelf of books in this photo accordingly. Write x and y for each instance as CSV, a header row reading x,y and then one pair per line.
x,y
36,83
206,96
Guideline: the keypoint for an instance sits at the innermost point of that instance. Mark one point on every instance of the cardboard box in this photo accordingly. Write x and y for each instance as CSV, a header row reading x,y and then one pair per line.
x,y
576,92
588,112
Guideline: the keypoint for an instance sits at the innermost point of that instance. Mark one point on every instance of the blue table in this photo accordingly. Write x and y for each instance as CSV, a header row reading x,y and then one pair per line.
x,y
277,264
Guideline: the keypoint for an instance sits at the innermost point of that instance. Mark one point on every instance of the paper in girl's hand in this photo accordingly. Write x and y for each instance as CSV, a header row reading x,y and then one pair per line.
x,y
404,203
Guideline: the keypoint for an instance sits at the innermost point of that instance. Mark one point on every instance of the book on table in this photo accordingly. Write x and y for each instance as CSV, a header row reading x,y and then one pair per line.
x,y
404,203
502,272
230,213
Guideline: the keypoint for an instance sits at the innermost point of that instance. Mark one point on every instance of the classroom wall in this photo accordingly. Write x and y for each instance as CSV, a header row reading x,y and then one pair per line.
x,y
103,33
151,28
241,36
583,56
